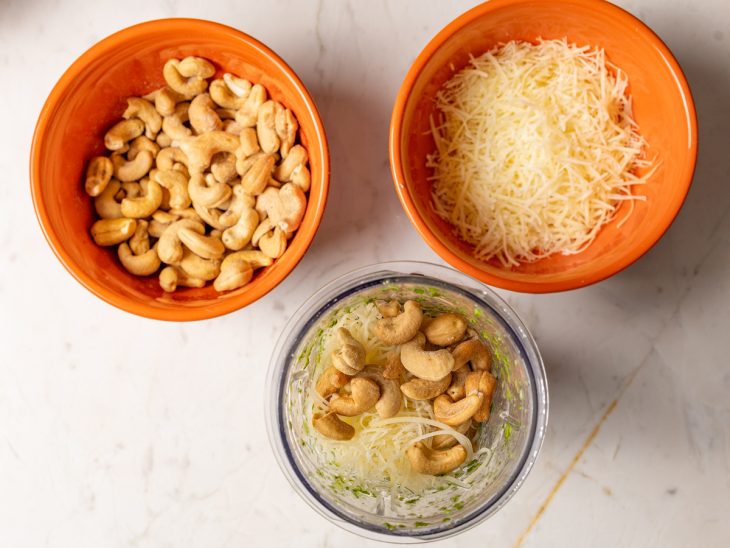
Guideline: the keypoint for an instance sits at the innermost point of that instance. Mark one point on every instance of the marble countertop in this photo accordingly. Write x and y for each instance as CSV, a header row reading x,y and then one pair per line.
x,y
124,432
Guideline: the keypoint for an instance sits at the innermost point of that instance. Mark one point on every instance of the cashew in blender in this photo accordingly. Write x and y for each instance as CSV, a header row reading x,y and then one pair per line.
x,y
349,357
481,382
434,462
331,426
474,351
445,329
444,441
401,328
454,413
330,381
364,395
390,400
420,389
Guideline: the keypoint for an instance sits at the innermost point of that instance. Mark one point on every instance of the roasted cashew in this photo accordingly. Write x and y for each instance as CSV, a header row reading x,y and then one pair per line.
x,y
145,111
194,83
297,156
132,170
166,101
256,177
434,462
239,235
223,167
142,143
472,351
132,189
445,329
106,204
388,309
203,116
198,267
225,96
247,115
285,207
226,114
140,265
481,382
209,215
144,205
174,127
239,86
420,389
177,184
249,145
264,228
401,328
169,247
301,177
163,139
273,243
206,191
390,400
108,232
286,129
123,132
453,413
266,126
394,368
444,441
235,272
350,356
330,381
457,390
139,243
168,157
231,126
98,175
253,257
200,150
208,247
331,426
172,277
428,365
364,393
187,213
239,202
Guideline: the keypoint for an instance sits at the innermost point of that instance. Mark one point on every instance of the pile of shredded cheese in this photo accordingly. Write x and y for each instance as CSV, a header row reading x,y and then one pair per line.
x,y
535,150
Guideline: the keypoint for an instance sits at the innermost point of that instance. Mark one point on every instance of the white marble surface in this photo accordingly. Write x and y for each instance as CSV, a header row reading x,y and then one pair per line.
x,y
123,432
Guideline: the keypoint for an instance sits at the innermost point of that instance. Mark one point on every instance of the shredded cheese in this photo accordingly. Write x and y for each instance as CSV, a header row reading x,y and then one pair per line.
x,y
536,148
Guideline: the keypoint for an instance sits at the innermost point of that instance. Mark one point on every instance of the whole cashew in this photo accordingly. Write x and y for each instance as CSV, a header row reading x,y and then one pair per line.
x,y
273,243
108,232
330,381
393,367
208,247
401,328
239,235
428,365
390,401
206,191
200,150
389,309
420,389
210,215
168,157
203,116
453,413
364,394
231,126
169,247
191,67
239,202
253,257
445,329
140,265
197,267
239,86
145,111
249,144
434,462
223,167
177,184
261,230
132,189
286,128
226,114
444,441
481,382
297,156
266,126
457,390
472,351
301,177
247,115
139,243
123,132
142,143
163,139
331,426
255,179
132,170
174,127
285,207
235,272
350,356
224,96
194,83
166,101
106,204
187,213
98,175
172,277
144,205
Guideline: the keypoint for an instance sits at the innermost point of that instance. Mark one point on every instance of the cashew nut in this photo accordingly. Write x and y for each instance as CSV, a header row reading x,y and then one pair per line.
x,y
249,147
390,401
224,95
206,191
142,143
453,413
140,265
163,139
187,213
273,243
388,309
106,204
457,389
108,232
297,156
198,267
472,351
239,235
166,101
139,243
144,205
187,77
420,389
203,116
481,382
168,157
223,167
330,382
123,132
98,175
171,277
285,207
350,356
208,247
431,365
169,247
145,111
253,257
256,177
239,202
444,441
331,426
239,86
132,170
177,184
445,329
301,177
209,215
200,150
401,328
247,115
235,273
364,393
393,367
174,127
266,126
434,462
286,129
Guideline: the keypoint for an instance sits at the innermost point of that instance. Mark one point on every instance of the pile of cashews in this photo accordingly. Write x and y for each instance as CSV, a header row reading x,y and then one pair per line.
x,y
205,181
438,359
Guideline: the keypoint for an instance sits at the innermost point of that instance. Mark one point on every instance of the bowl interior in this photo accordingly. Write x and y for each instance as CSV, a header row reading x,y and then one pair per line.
x,y
662,107
91,97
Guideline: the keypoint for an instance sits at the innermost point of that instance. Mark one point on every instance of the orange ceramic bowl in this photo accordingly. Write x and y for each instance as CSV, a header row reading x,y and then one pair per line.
x,y
90,97
663,108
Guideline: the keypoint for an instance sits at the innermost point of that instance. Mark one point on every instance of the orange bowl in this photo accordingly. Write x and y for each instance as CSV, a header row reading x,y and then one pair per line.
x,y
91,96
663,108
